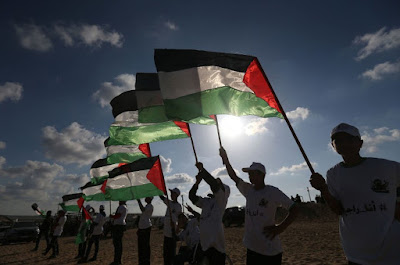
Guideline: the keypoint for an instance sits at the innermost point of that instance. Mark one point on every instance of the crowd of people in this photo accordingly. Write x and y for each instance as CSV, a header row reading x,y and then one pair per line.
x,y
364,192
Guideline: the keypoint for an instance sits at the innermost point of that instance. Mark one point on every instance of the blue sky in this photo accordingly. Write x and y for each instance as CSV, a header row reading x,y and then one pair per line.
x,y
62,62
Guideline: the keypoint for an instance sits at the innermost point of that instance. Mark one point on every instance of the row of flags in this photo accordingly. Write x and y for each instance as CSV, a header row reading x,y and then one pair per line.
x,y
190,86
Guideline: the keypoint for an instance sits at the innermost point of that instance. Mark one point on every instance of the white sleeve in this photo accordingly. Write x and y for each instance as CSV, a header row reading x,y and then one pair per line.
x,y
243,187
332,186
282,200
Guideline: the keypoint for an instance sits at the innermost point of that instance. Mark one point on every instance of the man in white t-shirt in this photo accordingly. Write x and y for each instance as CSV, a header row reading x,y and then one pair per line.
x,y
57,229
212,237
365,193
169,247
118,230
144,230
261,233
96,230
189,232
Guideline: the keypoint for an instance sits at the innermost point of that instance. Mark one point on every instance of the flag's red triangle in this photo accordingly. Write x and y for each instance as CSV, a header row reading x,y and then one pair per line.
x,y
80,202
145,148
156,177
103,187
184,126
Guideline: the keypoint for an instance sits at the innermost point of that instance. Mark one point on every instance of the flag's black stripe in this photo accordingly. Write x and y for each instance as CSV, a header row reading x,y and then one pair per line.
x,y
147,82
168,60
101,162
90,184
141,164
125,101
69,197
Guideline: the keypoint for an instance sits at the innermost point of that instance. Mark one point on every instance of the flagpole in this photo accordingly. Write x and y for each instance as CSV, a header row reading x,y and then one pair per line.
x,y
191,139
286,119
219,135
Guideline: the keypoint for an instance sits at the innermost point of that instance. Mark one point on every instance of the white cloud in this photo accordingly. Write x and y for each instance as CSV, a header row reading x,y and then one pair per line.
x,y
293,169
256,126
2,145
179,178
222,172
10,90
74,144
166,164
379,41
372,140
172,26
298,113
380,70
90,35
33,37
2,161
109,90
39,182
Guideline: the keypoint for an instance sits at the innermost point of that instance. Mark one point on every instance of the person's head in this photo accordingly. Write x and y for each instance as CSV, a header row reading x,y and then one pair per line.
x,y
182,220
256,173
148,199
346,140
122,202
101,208
61,213
175,192
48,213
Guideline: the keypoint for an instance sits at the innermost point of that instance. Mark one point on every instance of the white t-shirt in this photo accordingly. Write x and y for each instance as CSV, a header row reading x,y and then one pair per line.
x,y
144,220
368,230
211,227
176,209
261,208
191,234
60,226
123,210
100,220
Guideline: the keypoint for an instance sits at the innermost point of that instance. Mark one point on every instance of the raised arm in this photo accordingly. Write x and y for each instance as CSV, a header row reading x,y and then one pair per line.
x,y
228,165
192,193
208,177
318,183
140,205
190,209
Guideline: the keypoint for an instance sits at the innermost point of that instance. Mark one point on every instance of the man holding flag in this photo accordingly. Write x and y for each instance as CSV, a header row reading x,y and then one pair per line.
x,y
118,231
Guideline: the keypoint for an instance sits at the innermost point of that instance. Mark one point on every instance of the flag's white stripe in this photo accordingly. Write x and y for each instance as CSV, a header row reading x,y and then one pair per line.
x,y
115,149
194,80
149,99
102,171
128,180
71,202
92,190
129,119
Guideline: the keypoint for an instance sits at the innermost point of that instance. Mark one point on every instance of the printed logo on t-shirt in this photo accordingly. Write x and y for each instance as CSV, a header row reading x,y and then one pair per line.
x,y
380,186
263,203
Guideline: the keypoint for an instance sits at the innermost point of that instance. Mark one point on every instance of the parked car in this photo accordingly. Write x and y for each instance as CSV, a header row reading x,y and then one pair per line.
x,y
21,232
234,215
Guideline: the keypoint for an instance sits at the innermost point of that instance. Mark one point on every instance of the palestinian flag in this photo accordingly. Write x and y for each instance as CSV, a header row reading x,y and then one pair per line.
x,y
132,181
85,225
199,83
72,202
126,153
99,170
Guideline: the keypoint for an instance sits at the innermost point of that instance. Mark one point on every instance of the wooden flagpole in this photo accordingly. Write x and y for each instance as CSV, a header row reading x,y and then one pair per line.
x,y
287,120
191,139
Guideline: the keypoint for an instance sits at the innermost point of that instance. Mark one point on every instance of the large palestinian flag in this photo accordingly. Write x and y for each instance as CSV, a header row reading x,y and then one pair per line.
x,y
198,83
72,202
135,180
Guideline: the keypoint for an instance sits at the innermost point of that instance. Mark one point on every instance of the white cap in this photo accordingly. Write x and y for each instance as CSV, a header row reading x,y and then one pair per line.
x,y
346,128
176,190
255,166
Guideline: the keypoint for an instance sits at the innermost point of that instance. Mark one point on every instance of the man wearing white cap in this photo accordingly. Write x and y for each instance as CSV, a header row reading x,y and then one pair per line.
x,y
261,233
170,221
365,193
212,238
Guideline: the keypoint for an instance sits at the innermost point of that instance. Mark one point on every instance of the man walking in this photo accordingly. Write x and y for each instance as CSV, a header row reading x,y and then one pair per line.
x,y
56,232
44,230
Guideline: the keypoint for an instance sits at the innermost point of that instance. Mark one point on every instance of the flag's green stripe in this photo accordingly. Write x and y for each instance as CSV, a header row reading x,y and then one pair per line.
x,y
69,208
98,180
124,157
157,114
223,100
145,134
126,194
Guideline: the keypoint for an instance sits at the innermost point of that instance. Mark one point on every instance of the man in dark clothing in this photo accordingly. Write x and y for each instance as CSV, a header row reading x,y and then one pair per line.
x,y
44,230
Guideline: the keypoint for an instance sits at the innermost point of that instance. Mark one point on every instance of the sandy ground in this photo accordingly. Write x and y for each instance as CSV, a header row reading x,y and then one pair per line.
x,y
304,242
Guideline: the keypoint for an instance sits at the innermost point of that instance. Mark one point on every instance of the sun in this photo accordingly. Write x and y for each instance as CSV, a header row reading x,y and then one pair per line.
x,y
230,126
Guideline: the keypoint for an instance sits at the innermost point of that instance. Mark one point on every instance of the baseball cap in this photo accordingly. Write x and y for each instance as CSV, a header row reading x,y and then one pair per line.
x,y
346,128
255,166
176,190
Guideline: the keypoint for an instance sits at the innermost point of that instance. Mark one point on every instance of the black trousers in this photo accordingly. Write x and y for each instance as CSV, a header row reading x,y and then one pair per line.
x,y
82,249
94,239
186,254
118,233
44,233
144,246
254,258
215,257
169,250
53,245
